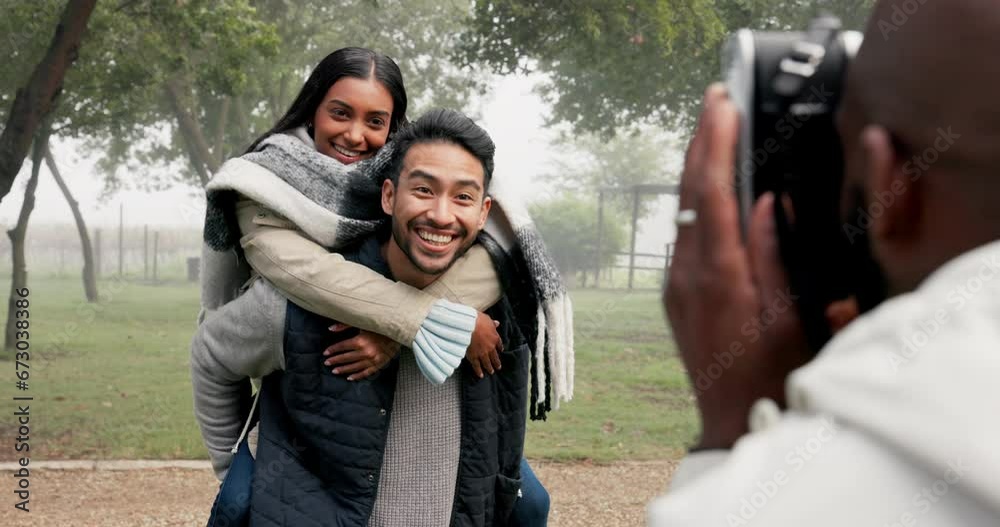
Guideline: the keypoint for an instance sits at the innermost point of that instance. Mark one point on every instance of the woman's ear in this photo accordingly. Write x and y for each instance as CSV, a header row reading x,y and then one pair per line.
x,y
388,196
893,196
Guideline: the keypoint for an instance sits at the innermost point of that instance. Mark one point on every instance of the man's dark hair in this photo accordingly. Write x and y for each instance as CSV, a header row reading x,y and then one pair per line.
x,y
449,126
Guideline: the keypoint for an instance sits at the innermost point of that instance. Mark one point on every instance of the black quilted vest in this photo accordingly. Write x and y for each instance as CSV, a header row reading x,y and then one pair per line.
x,y
322,437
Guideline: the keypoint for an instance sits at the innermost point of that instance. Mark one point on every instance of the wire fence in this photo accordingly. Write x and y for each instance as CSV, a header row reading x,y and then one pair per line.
x,y
148,252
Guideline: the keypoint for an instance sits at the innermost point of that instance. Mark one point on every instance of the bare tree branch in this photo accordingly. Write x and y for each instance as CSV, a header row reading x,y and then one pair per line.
x,y
89,269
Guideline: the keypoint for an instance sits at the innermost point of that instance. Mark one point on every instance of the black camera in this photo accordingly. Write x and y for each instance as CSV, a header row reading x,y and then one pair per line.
x,y
787,86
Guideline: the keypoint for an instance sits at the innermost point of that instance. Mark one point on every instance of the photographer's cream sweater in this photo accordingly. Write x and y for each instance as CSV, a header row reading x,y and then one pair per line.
x,y
896,423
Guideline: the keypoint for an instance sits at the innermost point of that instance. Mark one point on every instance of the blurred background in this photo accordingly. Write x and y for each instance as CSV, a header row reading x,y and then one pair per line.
x,y
590,103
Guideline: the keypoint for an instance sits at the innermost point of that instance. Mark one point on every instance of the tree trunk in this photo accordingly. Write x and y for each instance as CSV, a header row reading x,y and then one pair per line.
x,y
282,96
199,167
19,277
89,275
278,99
220,131
36,98
194,139
241,121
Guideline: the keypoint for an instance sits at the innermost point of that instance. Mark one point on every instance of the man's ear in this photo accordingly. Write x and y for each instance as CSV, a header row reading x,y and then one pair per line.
x,y
388,196
893,192
487,205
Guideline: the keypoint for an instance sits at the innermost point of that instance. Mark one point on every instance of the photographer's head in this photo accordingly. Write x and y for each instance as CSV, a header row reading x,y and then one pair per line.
x,y
920,132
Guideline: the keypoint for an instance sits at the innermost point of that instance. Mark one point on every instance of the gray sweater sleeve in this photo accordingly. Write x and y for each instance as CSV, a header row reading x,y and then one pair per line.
x,y
240,340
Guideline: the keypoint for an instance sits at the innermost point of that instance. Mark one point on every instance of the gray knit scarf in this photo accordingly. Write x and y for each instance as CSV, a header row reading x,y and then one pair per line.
x,y
337,205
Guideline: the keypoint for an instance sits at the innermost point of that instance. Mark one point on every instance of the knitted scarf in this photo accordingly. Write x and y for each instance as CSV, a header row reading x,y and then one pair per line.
x,y
337,205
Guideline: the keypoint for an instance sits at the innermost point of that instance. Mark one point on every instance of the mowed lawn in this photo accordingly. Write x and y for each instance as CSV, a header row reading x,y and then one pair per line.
x,y
112,380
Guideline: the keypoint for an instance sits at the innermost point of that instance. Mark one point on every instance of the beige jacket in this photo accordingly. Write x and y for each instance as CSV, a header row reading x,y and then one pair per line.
x,y
327,284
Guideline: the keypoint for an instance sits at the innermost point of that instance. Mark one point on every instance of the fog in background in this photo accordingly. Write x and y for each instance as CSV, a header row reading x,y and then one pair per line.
x,y
600,98
590,103
512,113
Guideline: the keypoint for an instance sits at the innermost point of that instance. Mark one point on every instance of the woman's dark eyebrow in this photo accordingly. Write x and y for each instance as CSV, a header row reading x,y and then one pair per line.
x,y
382,113
340,102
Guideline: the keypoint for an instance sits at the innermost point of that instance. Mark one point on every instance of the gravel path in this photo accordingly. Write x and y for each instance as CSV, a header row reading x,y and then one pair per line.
x,y
583,494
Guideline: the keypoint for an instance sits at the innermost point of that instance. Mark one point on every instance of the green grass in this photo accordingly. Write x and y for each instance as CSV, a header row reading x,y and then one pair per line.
x,y
632,399
112,381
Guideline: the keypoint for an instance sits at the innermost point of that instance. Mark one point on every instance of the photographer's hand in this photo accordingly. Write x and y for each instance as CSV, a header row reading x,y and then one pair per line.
x,y
729,305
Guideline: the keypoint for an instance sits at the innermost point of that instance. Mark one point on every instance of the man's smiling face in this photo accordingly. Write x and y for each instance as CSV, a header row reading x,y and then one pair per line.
x,y
438,208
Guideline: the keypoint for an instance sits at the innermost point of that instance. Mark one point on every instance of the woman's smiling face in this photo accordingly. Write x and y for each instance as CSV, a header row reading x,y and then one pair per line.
x,y
352,122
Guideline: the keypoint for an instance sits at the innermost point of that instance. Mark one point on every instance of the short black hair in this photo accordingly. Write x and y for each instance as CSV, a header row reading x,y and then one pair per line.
x,y
442,125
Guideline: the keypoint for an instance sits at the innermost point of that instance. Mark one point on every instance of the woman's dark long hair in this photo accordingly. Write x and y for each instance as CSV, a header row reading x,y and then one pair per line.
x,y
345,62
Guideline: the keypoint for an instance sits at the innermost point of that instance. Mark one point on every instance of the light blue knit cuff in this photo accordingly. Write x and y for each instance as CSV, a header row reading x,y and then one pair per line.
x,y
443,338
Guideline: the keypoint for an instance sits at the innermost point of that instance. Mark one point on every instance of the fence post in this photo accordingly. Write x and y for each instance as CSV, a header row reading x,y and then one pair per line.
x,y
635,224
156,244
666,265
193,268
121,240
600,240
145,252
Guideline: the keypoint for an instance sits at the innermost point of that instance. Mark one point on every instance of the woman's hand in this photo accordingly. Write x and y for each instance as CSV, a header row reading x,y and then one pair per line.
x,y
484,350
361,356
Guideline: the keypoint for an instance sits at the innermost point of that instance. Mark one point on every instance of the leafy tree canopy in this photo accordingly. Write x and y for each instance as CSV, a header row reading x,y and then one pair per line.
x,y
182,85
617,64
